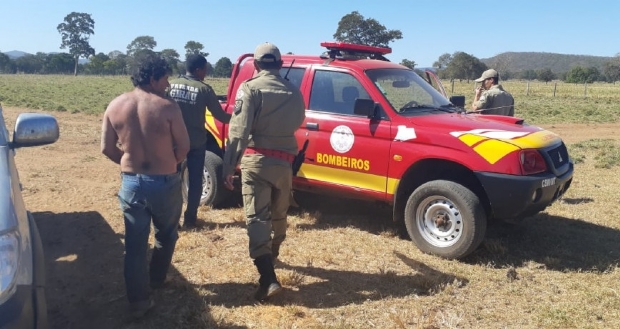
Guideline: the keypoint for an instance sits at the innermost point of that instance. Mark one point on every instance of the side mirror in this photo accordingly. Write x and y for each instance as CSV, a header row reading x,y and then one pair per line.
x,y
458,101
33,129
365,107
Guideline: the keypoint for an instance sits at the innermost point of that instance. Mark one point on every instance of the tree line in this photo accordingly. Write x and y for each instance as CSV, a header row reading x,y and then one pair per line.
x,y
463,66
77,28
75,31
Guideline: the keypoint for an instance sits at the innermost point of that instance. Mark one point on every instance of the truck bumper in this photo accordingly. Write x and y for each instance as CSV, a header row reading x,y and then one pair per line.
x,y
22,309
513,197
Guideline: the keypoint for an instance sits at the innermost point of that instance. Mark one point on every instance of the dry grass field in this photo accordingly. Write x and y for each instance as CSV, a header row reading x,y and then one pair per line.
x,y
344,264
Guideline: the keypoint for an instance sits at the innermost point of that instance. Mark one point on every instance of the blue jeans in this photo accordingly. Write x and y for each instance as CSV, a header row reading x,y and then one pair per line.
x,y
195,170
144,198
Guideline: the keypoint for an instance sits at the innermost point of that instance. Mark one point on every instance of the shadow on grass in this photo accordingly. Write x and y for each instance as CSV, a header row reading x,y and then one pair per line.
x,y
337,288
85,286
560,243
557,242
332,211
576,200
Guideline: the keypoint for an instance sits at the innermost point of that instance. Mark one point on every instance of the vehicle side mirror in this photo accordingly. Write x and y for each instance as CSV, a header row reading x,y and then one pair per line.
x,y
365,107
458,101
33,129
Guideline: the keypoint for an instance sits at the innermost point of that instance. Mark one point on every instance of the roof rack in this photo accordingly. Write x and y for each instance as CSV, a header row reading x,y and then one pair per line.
x,y
343,50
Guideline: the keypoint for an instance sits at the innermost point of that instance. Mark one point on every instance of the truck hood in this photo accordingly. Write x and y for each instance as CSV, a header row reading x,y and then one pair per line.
x,y
491,136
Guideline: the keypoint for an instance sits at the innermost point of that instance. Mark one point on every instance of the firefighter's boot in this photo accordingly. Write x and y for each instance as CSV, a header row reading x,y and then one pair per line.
x,y
268,283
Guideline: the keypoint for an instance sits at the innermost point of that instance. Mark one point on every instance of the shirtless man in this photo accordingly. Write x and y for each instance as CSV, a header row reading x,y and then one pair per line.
x,y
144,132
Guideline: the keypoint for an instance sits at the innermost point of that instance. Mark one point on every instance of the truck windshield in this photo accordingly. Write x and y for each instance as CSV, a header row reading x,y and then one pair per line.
x,y
408,93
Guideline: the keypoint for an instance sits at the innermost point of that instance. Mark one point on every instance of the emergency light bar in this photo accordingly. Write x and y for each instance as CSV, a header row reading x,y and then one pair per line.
x,y
356,48
343,50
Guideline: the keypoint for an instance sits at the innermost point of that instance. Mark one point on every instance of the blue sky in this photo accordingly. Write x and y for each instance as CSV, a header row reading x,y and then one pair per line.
x,y
481,28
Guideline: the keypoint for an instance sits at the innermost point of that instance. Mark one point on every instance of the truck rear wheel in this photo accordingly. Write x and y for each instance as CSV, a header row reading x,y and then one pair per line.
x,y
214,192
445,218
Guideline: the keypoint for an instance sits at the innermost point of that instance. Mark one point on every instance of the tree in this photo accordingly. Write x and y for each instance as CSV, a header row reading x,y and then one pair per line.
x,y
76,31
61,63
223,67
441,65
29,64
171,57
611,69
545,75
143,42
408,63
96,64
464,66
528,74
5,63
115,53
194,47
353,28
580,74
442,62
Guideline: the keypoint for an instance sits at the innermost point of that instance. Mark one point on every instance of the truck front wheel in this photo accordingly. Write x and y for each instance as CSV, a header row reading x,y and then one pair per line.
x,y
446,219
213,191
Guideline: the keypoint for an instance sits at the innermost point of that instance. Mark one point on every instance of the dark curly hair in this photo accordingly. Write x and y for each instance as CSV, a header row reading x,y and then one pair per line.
x,y
149,66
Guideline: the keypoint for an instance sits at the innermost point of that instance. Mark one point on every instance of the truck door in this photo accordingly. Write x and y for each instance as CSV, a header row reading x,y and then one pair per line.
x,y
348,152
434,81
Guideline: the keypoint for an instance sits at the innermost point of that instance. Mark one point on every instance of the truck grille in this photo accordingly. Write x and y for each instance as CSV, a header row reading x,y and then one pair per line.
x,y
559,156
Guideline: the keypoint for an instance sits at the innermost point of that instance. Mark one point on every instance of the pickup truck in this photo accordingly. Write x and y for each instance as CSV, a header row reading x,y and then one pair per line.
x,y
377,130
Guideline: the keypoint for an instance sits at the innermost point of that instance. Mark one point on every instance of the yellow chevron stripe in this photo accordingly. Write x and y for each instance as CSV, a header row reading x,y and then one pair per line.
x,y
346,177
210,125
493,150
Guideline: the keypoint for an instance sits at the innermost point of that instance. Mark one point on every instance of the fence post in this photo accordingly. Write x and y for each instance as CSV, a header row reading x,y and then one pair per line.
x,y
527,89
555,86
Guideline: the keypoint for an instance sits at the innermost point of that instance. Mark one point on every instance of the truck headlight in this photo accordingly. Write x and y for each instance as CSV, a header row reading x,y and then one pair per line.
x,y
9,262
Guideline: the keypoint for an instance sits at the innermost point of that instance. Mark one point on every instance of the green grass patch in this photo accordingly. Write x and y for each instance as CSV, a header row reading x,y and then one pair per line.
x,y
536,102
68,93
605,152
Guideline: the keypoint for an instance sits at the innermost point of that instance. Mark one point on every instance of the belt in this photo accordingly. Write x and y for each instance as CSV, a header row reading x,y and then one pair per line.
x,y
153,177
270,153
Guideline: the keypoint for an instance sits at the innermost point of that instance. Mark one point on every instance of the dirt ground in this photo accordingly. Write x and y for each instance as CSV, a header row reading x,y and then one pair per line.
x,y
71,190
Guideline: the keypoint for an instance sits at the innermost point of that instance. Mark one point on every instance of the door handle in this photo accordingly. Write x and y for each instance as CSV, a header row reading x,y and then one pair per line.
x,y
312,126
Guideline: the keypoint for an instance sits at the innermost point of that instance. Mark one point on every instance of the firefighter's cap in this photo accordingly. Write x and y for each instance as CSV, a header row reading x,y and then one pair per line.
x,y
267,53
490,73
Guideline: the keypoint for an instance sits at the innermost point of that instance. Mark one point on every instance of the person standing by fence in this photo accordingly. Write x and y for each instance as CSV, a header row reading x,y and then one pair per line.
x,y
491,98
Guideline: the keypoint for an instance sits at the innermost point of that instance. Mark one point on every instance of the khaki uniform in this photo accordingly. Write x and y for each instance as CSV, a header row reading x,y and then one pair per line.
x,y
496,101
268,111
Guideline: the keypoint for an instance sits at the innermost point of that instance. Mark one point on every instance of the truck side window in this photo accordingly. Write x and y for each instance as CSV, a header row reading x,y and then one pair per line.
x,y
335,92
295,75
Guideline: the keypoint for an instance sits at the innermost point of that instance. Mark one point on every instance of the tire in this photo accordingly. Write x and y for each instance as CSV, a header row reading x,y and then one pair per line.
x,y
214,192
464,221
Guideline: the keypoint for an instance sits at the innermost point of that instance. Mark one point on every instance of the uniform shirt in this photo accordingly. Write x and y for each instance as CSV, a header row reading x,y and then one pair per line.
x,y
194,97
497,101
268,111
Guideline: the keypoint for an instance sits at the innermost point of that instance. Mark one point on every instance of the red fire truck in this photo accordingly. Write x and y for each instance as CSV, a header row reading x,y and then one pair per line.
x,y
380,131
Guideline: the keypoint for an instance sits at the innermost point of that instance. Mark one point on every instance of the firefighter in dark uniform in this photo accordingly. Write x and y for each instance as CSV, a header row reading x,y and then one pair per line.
x,y
261,137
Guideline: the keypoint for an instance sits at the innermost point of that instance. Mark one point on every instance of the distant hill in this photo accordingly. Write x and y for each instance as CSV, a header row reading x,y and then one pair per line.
x,y
558,63
13,54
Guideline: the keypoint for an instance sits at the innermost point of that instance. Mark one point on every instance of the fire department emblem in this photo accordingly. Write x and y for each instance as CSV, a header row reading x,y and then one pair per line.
x,y
342,139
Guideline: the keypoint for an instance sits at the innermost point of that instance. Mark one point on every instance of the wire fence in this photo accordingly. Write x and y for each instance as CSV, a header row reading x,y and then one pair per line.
x,y
557,89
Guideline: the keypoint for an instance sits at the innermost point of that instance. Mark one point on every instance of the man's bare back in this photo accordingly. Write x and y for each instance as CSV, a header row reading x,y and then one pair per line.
x,y
150,130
